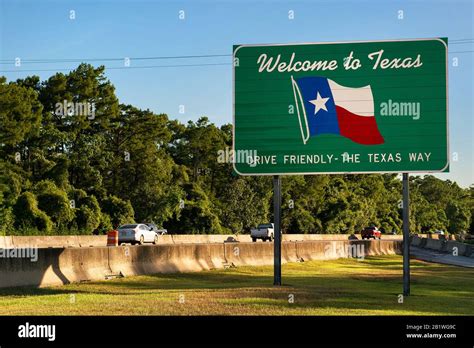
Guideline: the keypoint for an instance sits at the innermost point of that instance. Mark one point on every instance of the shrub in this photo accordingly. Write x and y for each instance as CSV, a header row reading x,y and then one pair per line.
x,y
6,220
87,212
105,224
119,211
27,214
54,202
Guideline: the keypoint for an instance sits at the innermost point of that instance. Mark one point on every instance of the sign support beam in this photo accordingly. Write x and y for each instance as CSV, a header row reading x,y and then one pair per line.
x,y
406,236
277,230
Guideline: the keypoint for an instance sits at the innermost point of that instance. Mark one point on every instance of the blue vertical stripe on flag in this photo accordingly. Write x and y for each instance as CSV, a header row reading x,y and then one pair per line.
x,y
323,122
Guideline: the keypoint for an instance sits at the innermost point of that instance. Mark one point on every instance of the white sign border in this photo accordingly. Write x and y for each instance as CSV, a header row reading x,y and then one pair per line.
x,y
336,43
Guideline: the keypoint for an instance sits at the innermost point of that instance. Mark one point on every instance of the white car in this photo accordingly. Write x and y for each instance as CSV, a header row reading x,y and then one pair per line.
x,y
263,232
136,234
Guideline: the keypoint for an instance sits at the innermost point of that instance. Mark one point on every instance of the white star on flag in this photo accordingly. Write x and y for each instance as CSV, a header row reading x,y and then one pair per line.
x,y
319,103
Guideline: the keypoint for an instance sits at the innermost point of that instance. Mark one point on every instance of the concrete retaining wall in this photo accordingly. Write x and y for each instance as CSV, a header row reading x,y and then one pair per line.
x,y
6,242
95,241
460,248
443,246
148,259
45,241
52,241
81,264
320,250
470,251
434,244
247,254
166,239
416,241
57,266
308,237
206,238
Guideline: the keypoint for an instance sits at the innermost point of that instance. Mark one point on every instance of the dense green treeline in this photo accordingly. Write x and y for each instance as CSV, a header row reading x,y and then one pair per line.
x,y
92,165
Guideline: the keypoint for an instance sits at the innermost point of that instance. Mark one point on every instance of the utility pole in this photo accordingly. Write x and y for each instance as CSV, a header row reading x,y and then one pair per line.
x,y
406,236
277,234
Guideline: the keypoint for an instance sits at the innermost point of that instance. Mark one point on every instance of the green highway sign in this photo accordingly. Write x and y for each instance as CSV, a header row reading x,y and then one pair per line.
x,y
342,107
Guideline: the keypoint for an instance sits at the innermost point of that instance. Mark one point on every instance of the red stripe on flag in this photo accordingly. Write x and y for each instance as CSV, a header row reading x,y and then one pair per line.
x,y
360,129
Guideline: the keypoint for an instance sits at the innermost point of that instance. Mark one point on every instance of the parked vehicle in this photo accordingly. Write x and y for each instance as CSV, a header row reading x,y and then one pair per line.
x,y
136,234
263,232
371,232
438,232
154,228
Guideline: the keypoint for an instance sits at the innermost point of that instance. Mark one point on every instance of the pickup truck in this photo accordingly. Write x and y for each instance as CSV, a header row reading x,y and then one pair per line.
x,y
263,232
371,232
154,228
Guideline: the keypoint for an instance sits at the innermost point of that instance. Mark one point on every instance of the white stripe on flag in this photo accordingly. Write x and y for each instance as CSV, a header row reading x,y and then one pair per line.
x,y
359,101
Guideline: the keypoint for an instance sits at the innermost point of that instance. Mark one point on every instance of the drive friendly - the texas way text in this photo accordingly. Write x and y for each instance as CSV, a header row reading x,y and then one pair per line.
x,y
343,157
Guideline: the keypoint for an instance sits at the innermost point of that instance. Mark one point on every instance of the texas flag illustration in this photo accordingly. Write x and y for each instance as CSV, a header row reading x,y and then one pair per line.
x,y
325,107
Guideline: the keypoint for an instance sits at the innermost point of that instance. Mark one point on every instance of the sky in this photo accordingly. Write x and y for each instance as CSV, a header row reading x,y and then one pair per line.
x,y
42,29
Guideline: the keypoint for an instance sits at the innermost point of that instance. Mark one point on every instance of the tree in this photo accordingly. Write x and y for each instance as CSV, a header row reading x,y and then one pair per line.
x,y
123,163
300,199
119,211
20,113
87,211
241,208
430,218
27,214
139,155
6,217
458,216
54,202
197,214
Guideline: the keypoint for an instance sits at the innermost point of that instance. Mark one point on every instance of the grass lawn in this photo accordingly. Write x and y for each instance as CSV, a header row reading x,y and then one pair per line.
x,y
341,287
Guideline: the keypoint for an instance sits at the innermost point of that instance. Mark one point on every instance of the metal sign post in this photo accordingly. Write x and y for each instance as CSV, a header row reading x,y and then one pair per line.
x,y
277,230
406,236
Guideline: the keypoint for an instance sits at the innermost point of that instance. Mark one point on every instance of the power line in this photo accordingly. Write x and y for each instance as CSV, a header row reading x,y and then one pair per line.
x,y
72,60
75,60
123,67
131,59
143,67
